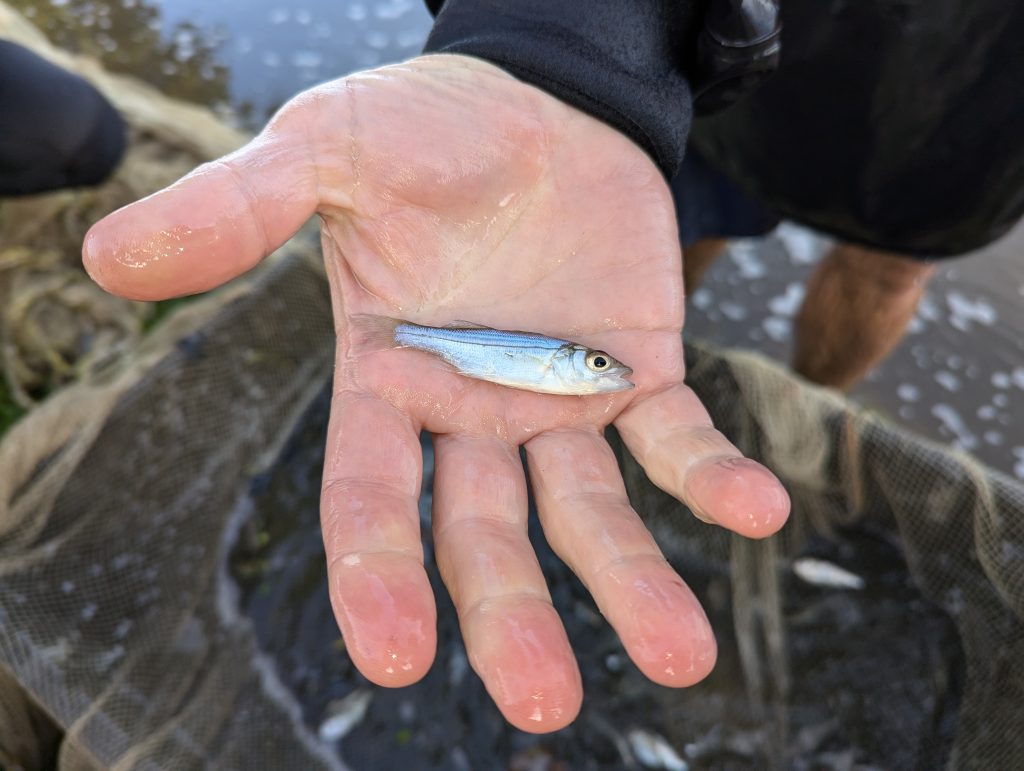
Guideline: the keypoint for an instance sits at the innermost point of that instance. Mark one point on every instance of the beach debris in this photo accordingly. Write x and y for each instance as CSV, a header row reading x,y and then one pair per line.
x,y
654,751
345,714
821,573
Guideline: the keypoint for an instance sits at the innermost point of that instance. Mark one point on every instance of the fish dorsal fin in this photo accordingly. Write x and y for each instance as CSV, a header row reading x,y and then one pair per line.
x,y
465,325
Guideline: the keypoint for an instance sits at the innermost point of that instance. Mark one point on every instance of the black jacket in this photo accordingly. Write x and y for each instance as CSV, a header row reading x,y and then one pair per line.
x,y
898,125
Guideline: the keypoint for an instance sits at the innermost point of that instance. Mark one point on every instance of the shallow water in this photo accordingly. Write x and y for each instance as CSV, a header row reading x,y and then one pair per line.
x,y
245,57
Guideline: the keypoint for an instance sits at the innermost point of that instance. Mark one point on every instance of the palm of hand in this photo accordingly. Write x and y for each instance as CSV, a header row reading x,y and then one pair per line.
x,y
451,192
523,234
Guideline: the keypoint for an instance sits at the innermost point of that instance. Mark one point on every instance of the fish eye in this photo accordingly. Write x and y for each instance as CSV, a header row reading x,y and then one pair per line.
x,y
598,361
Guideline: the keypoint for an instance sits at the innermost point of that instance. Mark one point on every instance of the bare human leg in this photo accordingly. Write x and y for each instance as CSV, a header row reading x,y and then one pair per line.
x,y
857,308
698,258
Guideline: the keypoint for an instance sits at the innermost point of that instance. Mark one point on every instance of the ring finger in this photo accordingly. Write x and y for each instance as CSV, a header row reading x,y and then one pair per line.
x,y
514,638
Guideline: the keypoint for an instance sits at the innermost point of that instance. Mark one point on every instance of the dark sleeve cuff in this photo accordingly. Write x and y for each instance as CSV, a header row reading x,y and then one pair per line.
x,y
618,60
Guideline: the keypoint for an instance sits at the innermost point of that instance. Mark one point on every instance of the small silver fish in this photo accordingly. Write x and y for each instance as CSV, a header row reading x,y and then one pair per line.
x,y
515,359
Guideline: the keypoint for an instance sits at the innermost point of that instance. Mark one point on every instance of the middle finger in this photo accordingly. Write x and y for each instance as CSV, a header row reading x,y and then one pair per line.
x,y
514,638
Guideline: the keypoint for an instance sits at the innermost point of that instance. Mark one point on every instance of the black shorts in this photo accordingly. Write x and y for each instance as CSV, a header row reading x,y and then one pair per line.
x,y
709,205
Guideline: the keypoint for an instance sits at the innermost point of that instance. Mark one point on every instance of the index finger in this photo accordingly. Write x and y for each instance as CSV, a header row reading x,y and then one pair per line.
x,y
371,527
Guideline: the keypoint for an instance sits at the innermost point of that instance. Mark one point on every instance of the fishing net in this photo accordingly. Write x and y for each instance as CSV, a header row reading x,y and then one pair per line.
x,y
163,599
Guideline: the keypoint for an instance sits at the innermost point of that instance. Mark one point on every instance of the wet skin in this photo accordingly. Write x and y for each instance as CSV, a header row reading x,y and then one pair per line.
x,y
449,191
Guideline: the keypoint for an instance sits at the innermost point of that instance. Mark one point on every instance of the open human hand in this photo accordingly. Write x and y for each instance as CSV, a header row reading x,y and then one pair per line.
x,y
449,191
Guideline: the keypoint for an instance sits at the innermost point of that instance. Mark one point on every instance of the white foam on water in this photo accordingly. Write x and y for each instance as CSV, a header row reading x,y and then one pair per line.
x,y
951,420
746,257
789,303
702,299
965,311
908,392
733,311
947,380
306,59
928,309
1018,468
777,329
987,412
394,9
804,247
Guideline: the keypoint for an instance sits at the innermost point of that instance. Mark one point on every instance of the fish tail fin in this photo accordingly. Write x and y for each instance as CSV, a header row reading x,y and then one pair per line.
x,y
369,333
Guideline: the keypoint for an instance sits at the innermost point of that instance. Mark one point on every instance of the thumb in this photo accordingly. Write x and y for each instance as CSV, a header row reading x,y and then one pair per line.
x,y
214,224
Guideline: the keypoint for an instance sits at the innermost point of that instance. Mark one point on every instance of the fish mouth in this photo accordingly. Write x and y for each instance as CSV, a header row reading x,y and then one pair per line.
x,y
620,379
